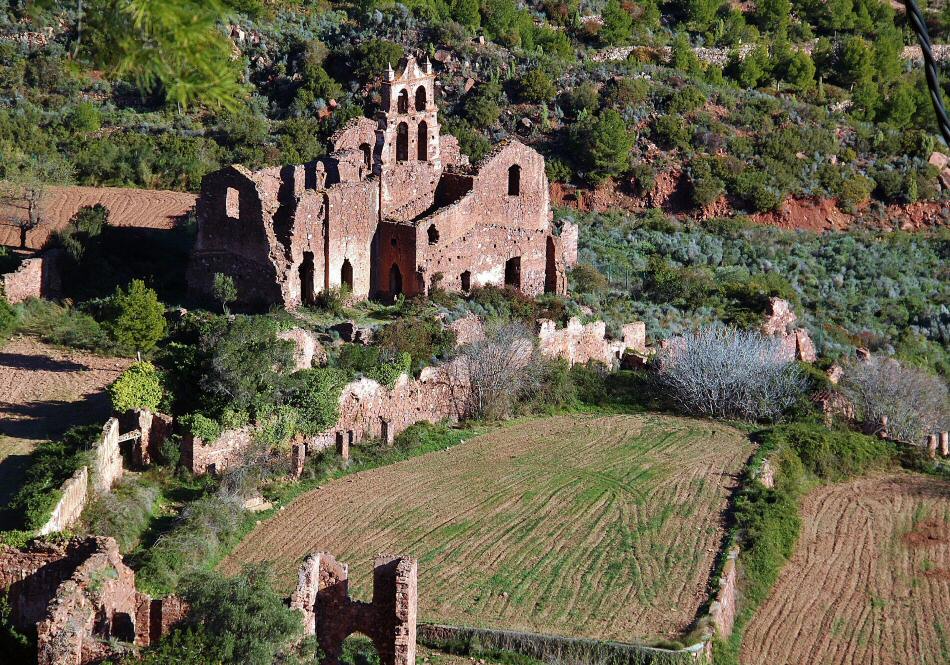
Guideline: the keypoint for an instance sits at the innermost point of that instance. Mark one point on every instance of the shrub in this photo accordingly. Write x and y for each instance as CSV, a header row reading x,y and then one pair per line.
x,y
536,87
915,402
375,55
672,132
245,619
424,338
139,387
855,191
56,324
585,278
8,318
832,455
200,426
315,394
718,372
603,144
225,291
125,512
138,319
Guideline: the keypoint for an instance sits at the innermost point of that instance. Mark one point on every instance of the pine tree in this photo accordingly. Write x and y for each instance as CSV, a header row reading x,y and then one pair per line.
x,y
617,24
139,318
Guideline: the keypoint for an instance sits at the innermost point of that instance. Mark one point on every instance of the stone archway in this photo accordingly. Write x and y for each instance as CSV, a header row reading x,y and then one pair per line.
x,y
395,281
550,267
346,274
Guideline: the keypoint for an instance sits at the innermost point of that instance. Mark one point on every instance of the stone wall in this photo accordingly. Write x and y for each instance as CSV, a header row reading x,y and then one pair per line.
x,y
71,504
36,277
723,609
154,429
215,456
107,458
322,597
796,342
581,343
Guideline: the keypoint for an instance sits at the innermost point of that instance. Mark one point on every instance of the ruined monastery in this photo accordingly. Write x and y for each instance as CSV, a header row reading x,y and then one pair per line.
x,y
394,209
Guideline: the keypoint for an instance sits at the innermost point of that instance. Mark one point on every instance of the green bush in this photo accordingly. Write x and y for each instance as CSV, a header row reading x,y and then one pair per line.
x,y
200,426
8,318
139,387
536,87
672,132
423,337
315,394
138,318
124,513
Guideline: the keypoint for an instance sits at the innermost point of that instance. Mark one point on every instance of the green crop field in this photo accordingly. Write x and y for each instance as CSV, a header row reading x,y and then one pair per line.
x,y
604,527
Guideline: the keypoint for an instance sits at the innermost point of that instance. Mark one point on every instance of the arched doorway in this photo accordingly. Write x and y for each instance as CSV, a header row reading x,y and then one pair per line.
x,y
395,281
550,270
402,102
422,145
402,142
346,274
466,279
367,154
421,98
513,272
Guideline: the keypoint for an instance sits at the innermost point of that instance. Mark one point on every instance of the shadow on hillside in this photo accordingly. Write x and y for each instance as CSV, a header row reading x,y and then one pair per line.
x,y
47,419
36,363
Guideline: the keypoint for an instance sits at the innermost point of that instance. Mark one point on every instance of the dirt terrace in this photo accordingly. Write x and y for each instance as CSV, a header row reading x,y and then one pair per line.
x,y
869,583
43,392
603,527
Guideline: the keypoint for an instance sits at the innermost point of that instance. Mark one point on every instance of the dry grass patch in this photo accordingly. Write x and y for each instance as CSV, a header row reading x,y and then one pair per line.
x,y
603,527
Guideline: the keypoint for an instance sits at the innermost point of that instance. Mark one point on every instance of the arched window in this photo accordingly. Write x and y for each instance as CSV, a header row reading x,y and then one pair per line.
x,y
421,98
346,274
514,180
550,267
433,234
402,102
367,154
395,280
422,144
402,142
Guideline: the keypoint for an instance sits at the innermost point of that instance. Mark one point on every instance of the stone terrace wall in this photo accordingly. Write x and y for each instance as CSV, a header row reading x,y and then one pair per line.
x,y
107,458
70,505
35,278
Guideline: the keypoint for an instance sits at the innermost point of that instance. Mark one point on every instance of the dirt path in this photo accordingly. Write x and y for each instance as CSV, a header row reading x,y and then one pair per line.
x,y
43,392
869,582
596,526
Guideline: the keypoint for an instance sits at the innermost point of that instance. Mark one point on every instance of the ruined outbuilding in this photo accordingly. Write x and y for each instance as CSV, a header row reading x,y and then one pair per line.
x,y
322,596
394,209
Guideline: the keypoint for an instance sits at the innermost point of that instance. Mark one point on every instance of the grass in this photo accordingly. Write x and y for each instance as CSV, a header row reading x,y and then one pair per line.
x,y
579,525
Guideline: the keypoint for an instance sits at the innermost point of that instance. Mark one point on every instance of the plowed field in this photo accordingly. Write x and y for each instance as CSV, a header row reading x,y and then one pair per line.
x,y
869,582
579,525
142,208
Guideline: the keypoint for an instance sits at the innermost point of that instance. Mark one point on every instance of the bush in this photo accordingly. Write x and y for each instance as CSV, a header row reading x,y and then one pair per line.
x,y
8,319
585,278
536,87
200,426
915,403
138,319
722,373
315,394
139,387
125,512
424,338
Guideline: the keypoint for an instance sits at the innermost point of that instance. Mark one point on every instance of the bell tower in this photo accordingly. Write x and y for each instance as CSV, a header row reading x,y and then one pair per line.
x,y
409,119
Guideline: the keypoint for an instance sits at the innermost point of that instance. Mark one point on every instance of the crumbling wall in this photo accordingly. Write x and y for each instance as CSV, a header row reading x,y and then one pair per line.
x,y
307,349
107,458
723,609
581,343
368,409
80,597
796,342
228,449
36,277
322,597
75,494
154,429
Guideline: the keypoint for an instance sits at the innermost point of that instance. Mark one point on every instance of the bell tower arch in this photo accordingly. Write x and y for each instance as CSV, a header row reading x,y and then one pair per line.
x,y
408,101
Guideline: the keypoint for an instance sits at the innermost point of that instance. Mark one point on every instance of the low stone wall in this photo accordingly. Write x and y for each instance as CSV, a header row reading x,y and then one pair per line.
x,y
582,343
36,277
723,609
107,458
71,503
558,650
200,456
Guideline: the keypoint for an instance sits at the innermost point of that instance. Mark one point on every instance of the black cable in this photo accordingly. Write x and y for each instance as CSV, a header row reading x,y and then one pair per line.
x,y
916,19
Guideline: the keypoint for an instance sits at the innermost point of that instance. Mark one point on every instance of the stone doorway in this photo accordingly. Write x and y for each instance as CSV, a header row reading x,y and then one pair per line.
x,y
550,269
307,290
513,272
346,274
395,281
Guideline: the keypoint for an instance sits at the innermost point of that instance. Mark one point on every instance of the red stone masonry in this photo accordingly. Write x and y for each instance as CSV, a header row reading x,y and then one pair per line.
x,y
394,209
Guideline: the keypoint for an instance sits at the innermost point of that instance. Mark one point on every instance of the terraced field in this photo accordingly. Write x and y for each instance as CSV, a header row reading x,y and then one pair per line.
x,y
869,582
604,527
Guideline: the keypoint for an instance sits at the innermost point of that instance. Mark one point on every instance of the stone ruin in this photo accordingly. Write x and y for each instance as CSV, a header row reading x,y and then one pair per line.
x,y
322,596
80,597
796,342
394,209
